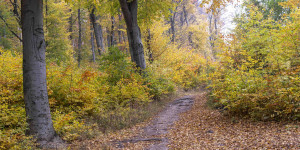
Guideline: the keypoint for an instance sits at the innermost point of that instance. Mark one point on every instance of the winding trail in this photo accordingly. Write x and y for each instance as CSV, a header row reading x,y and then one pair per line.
x,y
161,124
166,119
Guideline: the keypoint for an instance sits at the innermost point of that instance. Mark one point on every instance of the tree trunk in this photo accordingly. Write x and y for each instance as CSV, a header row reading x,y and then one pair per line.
x,y
149,46
16,12
71,27
185,16
210,17
93,44
34,72
119,30
172,20
46,11
215,36
79,39
108,37
136,48
98,31
112,36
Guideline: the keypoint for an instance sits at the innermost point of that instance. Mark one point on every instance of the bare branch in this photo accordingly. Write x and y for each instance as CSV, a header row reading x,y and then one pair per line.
x,y
15,34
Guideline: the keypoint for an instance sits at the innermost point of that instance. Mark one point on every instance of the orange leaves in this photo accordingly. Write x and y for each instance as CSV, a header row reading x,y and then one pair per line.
x,y
204,128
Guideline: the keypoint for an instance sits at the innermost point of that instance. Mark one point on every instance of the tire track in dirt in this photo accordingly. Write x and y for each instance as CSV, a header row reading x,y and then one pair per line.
x,y
158,127
165,120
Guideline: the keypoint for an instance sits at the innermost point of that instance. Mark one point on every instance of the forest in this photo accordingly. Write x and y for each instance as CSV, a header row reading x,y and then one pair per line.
x,y
72,71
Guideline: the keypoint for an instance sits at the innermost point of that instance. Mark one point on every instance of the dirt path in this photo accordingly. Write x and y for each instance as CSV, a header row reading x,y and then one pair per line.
x,y
187,123
166,119
161,124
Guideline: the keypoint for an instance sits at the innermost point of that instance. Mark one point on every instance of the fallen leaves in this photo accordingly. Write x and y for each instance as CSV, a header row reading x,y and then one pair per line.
x,y
204,128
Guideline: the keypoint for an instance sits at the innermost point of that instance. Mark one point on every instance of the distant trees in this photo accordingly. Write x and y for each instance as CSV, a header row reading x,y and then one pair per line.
x,y
97,30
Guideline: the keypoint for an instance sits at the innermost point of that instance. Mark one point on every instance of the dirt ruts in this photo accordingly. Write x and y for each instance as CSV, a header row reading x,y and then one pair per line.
x,y
161,124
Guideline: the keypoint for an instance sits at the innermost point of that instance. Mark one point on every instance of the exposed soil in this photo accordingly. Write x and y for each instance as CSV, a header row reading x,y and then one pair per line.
x,y
161,124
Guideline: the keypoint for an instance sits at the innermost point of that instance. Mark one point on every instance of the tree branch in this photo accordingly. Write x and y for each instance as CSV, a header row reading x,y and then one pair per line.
x,y
15,34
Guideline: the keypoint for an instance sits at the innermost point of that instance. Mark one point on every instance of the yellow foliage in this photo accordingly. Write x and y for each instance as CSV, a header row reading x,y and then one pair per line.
x,y
258,75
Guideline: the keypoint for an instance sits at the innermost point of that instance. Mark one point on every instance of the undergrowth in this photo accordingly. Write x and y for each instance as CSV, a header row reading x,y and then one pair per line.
x,y
101,97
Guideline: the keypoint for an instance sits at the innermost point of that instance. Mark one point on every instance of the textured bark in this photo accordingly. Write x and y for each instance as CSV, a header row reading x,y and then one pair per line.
x,y
34,72
129,9
79,38
98,32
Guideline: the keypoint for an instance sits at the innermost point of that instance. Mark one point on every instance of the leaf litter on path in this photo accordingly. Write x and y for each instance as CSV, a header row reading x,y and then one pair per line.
x,y
199,128
205,128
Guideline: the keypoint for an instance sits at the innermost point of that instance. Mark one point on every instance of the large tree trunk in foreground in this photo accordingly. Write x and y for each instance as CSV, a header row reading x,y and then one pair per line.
x,y
129,10
34,73
98,32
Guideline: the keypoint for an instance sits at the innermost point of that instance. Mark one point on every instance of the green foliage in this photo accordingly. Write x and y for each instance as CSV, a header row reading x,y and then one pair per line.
x,y
9,24
117,65
57,42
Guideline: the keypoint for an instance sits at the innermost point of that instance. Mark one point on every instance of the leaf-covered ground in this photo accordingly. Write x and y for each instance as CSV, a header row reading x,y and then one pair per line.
x,y
205,128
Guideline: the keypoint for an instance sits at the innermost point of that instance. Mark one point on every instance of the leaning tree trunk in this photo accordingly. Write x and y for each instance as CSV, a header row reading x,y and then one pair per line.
x,y
129,9
98,32
34,72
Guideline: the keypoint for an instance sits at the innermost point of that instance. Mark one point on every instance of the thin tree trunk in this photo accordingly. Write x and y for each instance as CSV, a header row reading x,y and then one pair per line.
x,y
71,26
79,38
34,73
98,31
108,37
119,30
93,44
112,36
149,46
172,19
210,17
185,16
172,29
216,35
16,12
46,11
129,10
